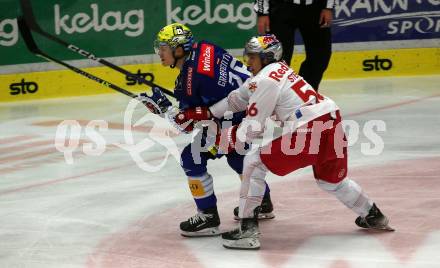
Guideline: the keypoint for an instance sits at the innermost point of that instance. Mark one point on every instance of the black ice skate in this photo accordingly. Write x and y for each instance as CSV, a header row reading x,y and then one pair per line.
x,y
374,220
246,236
266,212
202,224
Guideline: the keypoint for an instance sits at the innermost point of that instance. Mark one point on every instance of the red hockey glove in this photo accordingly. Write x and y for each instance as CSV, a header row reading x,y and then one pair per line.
x,y
190,116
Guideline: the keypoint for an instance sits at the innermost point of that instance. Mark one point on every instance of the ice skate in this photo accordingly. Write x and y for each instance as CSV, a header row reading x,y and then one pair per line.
x,y
246,236
374,220
202,224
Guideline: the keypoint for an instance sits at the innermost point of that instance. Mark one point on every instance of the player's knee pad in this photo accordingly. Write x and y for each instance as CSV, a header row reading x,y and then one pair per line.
x,y
331,187
349,193
189,162
201,186
345,188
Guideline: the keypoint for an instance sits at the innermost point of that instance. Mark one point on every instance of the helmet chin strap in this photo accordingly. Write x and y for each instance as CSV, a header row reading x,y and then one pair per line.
x,y
172,66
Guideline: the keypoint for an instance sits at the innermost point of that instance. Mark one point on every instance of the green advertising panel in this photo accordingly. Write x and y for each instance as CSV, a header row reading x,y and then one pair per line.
x,y
113,28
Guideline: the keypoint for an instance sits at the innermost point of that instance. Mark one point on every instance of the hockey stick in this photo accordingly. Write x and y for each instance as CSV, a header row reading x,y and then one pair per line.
x,y
32,46
33,25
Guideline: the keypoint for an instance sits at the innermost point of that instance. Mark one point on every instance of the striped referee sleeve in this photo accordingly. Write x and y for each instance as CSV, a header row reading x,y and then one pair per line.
x,y
262,7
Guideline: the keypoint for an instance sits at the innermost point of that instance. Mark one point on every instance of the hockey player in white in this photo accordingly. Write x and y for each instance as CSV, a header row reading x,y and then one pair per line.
x,y
276,90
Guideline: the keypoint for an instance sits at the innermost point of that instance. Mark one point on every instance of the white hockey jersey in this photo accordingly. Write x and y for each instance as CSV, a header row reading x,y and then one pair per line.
x,y
276,90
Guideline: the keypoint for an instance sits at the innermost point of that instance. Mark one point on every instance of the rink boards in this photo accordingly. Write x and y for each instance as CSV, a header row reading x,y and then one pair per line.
x,y
344,64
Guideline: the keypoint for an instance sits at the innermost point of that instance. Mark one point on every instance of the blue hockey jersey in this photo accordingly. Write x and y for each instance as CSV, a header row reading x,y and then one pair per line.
x,y
208,75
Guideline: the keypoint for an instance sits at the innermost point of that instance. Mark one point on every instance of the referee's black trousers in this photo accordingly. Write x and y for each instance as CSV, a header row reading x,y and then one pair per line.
x,y
285,18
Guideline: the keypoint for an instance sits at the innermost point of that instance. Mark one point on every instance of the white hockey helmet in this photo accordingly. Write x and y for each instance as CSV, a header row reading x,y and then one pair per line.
x,y
267,46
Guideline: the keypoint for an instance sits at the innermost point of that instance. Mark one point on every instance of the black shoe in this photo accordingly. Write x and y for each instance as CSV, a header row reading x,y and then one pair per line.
x,y
246,236
266,212
374,220
202,224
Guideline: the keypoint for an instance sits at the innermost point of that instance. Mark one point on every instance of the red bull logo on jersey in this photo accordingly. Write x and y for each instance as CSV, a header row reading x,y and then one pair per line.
x,y
278,74
206,60
252,86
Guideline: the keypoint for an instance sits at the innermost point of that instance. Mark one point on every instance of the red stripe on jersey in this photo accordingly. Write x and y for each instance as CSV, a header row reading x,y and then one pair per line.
x,y
206,60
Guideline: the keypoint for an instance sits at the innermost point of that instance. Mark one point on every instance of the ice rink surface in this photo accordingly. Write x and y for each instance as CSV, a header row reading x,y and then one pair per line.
x,y
104,210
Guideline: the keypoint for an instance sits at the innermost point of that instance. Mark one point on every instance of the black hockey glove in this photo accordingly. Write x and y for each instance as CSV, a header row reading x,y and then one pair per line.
x,y
157,103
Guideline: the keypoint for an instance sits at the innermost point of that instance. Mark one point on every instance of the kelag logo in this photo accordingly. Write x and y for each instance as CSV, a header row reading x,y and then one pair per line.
x,y
377,64
132,80
211,12
8,32
23,87
132,22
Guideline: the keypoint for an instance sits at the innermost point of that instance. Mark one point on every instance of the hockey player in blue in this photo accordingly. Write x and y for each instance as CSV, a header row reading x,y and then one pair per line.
x,y
207,74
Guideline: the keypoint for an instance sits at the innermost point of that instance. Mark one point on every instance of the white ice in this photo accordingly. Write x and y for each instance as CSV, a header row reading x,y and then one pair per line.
x,y
105,211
